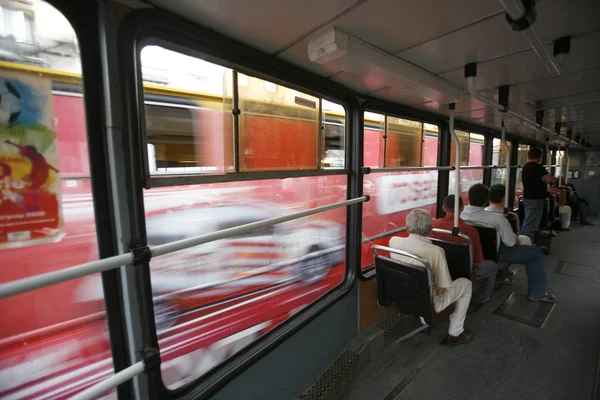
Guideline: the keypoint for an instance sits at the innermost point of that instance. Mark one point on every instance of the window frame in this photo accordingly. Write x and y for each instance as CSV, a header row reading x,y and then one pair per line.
x,y
146,26
178,43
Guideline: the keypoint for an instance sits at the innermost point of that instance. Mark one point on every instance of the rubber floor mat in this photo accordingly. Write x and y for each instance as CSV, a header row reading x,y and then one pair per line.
x,y
518,308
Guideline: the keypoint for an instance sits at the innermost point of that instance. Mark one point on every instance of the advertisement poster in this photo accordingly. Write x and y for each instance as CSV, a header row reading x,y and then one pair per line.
x,y
30,202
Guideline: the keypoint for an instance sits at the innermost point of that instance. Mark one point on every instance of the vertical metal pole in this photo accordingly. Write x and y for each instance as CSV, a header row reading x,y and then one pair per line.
x,y
354,160
560,171
236,122
443,161
567,165
488,149
513,176
422,143
507,172
457,192
385,135
321,138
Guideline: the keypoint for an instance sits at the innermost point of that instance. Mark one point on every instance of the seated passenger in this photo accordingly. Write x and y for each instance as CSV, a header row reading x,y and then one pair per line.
x,y
497,204
510,249
485,270
419,224
579,206
564,210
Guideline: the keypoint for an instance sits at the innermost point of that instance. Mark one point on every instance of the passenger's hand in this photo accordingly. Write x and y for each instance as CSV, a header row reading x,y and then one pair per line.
x,y
440,291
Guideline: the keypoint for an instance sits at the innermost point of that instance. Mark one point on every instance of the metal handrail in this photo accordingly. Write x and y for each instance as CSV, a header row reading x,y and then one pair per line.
x,y
39,281
409,169
411,256
384,234
112,382
457,190
477,167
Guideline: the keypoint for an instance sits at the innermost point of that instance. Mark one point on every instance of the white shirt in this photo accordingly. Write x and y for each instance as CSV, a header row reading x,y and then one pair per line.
x,y
504,231
422,247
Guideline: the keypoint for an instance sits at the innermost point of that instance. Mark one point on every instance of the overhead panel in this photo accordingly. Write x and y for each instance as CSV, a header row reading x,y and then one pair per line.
x,y
337,50
267,25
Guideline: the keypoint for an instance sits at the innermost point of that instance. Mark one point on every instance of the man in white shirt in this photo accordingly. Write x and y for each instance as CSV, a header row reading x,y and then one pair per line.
x,y
419,224
498,203
510,251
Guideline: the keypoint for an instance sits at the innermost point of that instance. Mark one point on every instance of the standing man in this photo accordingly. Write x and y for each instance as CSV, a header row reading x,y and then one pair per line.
x,y
535,191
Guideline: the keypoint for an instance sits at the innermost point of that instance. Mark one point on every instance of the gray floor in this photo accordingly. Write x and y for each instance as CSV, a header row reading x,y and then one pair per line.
x,y
509,359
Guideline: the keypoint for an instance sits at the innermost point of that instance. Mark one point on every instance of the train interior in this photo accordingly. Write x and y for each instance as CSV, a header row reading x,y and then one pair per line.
x,y
508,74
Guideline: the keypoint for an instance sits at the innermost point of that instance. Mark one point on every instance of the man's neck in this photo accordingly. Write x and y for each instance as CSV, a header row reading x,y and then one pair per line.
x,y
498,207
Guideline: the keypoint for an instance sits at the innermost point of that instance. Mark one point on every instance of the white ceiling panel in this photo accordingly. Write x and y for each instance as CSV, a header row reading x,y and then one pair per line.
x,y
393,25
360,84
525,66
401,97
267,25
495,38
298,55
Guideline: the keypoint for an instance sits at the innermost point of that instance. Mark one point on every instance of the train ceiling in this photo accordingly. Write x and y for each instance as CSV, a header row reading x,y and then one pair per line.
x,y
439,37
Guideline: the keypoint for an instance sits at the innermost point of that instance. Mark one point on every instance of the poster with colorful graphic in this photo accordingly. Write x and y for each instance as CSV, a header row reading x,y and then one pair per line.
x,y
30,202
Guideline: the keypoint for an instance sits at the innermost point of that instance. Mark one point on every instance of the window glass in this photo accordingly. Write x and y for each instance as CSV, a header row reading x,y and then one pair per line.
x,y
393,196
463,139
193,126
374,140
474,157
499,158
403,143
430,145
54,341
214,299
333,136
289,124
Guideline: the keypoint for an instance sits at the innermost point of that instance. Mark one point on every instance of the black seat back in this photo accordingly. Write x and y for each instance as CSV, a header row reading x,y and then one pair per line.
x,y
408,286
459,256
489,239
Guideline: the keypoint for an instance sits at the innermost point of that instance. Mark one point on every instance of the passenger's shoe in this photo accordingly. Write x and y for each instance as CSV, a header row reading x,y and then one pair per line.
x,y
547,298
463,338
587,223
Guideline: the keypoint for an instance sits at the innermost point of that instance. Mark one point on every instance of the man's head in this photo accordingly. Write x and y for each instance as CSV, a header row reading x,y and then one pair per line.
x,y
479,195
497,194
535,154
448,205
419,222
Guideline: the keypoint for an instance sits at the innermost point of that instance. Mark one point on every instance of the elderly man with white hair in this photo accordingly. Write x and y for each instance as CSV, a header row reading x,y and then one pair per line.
x,y
447,291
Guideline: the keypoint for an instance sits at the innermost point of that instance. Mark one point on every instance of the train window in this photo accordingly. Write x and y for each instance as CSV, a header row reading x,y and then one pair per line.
x,y
393,196
464,141
522,159
430,145
214,299
374,131
403,144
474,143
391,142
288,122
193,126
499,158
333,136
55,340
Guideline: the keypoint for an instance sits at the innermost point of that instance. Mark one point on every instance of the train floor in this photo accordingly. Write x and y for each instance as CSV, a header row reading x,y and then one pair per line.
x,y
521,350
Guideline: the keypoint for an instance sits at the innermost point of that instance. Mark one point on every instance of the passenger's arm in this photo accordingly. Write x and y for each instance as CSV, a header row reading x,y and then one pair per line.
x,y
548,178
441,273
508,237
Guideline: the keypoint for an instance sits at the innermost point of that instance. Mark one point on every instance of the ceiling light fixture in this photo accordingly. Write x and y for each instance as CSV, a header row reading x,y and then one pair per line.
x,y
338,51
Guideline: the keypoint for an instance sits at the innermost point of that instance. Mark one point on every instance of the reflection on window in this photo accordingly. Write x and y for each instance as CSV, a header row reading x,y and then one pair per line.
x,y
430,145
197,126
522,158
213,300
476,149
391,142
499,153
54,340
393,196
463,140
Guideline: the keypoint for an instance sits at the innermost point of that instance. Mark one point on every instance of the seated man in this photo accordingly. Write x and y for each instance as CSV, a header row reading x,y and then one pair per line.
x,y
485,270
579,206
564,210
510,251
419,225
498,203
